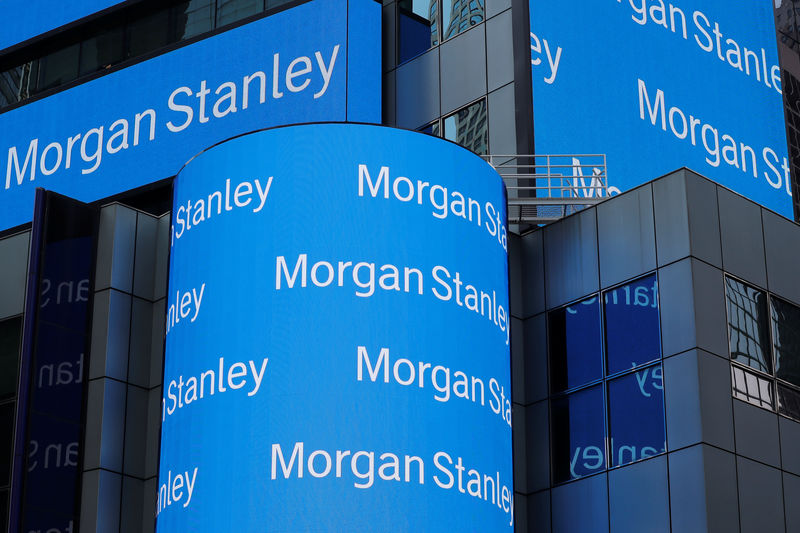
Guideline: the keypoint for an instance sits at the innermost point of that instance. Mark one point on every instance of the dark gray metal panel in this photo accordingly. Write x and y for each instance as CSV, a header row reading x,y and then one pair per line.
x,y
638,497
493,7
520,444
676,303
760,497
145,259
111,322
538,446
571,258
722,503
518,388
136,411
132,517
500,54
141,324
742,238
625,233
463,69
581,506
782,245
756,433
162,257
671,217
791,497
515,275
536,358
389,99
790,445
533,273
539,512
711,323
14,268
502,139
704,232
418,90
389,28
115,248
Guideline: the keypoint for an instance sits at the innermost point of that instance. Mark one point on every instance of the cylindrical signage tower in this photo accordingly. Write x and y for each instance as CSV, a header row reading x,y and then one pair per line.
x,y
337,353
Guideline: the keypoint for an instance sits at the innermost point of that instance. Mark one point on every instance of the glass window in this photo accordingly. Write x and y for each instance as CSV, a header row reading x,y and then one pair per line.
x,y
631,323
789,402
469,123
59,67
575,345
6,441
431,129
460,15
751,388
578,434
229,11
747,326
418,27
636,415
148,34
192,18
10,331
101,51
786,340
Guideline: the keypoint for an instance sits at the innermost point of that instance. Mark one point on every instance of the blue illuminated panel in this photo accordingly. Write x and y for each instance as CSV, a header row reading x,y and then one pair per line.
x,y
657,86
337,354
141,124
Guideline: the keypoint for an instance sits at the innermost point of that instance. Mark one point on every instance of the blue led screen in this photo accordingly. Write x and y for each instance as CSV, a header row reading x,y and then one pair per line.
x,y
140,124
656,86
22,20
337,353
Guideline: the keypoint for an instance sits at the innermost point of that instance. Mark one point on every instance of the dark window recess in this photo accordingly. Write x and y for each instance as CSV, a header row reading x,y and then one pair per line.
x,y
3,509
636,416
631,324
192,18
751,388
418,27
470,122
148,34
229,11
578,434
786,340
789,402
748,328
102,51
575,345
10,335
6,441
58,68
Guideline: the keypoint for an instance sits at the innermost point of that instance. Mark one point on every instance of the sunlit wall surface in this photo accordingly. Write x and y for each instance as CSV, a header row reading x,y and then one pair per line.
x,y
657,86
337,353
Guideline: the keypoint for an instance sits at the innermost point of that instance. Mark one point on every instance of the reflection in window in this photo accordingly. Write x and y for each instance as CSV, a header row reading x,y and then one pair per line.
x,y
229,11
747,325
469,127
631,321
460,15
431,129
636,415
786,340
578,434
789,402
193,18
575,345
59,67
751,388
148,34
102,51
418,27
10,331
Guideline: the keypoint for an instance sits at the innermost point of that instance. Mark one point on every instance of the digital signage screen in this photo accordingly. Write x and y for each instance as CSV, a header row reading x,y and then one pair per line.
x,y
659,85
337,352
318,61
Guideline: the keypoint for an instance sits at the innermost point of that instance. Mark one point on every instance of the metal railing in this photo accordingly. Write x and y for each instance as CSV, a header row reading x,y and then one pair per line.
x,y
543,188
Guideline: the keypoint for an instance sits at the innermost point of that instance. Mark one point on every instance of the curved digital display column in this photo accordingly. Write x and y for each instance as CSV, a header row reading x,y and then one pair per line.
x,y
337,354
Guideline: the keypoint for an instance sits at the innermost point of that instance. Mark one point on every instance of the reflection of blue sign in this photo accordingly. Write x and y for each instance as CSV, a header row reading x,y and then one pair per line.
x,y
318,61
22,20
655,87
337,337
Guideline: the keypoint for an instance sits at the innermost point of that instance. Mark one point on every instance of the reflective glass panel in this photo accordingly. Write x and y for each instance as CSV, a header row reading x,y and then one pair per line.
x,y
575,345
10,331
751,388
789,402
636,415
102,51
18,83
59,67
578,434
469,127
431,129
747,325
418,26
148,34
193,18
460,15
229,11
632,327
786,340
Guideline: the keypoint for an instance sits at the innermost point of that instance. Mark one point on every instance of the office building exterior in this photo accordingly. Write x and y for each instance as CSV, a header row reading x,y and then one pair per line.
x,y
652,345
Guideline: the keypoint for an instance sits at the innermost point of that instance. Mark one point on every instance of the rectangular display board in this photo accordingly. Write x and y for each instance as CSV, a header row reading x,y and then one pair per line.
x,y
656,86
24,20
319,61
